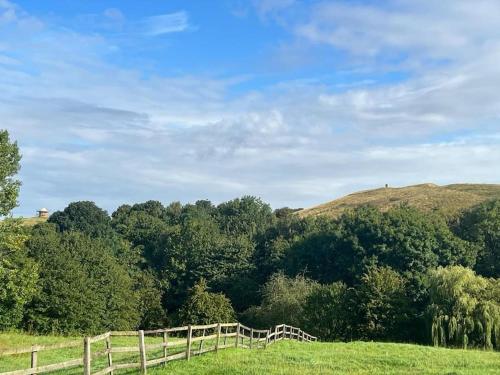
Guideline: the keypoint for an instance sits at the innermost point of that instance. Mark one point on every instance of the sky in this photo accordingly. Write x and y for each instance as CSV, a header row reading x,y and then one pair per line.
x,y
295,102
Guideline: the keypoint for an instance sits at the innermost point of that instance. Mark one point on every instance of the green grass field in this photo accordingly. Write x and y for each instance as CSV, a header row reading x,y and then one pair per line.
x,y
285,357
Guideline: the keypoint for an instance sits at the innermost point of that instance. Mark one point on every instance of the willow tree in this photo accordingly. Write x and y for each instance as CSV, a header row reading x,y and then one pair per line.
x,y
465,308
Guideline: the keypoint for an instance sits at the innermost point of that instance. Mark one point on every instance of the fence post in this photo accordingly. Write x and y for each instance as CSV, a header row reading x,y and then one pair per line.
x,y
142,352
201,342
237,335
267,338
110,356
218,337
34,357
188,343
251,337
165,343
86,356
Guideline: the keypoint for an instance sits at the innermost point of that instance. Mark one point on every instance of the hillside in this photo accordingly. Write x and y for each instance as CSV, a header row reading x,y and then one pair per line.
x,y
30,221
448,200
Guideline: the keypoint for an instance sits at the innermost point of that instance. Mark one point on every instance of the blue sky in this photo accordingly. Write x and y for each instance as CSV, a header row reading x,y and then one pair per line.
x,y
297,102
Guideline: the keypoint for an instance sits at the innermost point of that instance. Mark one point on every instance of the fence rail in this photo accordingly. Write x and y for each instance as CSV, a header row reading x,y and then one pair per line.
x,y
196,337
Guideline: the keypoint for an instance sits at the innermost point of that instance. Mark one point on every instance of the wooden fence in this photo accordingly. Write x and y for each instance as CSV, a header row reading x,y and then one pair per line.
x,y
176,343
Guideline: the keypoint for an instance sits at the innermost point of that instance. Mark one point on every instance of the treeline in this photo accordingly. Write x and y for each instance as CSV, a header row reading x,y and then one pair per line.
x,y
402,275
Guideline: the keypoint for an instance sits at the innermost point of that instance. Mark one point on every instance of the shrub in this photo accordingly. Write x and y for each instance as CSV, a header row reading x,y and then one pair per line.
x,y
204,307
283,301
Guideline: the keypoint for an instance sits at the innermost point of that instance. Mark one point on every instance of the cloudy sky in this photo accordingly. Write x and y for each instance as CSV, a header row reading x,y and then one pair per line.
x,y
297,102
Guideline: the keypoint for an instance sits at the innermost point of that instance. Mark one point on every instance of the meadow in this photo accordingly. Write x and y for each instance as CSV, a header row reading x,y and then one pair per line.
x,y
289,357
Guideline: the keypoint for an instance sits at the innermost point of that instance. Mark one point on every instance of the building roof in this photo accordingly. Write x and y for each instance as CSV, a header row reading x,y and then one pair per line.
x,y
43,210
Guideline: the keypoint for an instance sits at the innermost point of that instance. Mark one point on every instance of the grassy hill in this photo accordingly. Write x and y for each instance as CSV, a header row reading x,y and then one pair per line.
x,y
448,200
288,357
30,221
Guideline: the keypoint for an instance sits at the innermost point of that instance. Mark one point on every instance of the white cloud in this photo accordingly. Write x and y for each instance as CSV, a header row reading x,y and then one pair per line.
x,y
447,29
91,130
166,23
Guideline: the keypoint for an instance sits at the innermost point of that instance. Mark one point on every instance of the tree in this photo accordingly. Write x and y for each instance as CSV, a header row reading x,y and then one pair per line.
x,y
245,216
464,308
283,247
328,312
283,301
405,239
382,305
85,217
83,288
18,274
204,307
150,294
481,225
196,249
9,166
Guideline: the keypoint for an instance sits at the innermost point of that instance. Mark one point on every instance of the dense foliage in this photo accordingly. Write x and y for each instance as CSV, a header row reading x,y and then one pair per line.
x,y
204,307
283,300
82,285
9,166
465,308
18,274
400,275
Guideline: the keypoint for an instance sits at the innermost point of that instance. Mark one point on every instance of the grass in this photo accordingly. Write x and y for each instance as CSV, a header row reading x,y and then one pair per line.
x,y
22,361
285,357
339,358
32,221
448,200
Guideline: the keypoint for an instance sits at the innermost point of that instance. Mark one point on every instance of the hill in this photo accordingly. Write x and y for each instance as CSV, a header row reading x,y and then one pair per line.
x,y
30,221
286,357
448,200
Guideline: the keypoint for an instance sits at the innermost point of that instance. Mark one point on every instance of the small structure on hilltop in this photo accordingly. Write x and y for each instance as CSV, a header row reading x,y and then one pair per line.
x,y
43,212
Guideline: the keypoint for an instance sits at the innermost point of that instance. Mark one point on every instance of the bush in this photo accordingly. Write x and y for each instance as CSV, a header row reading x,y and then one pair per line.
x,y
203,307
283,301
